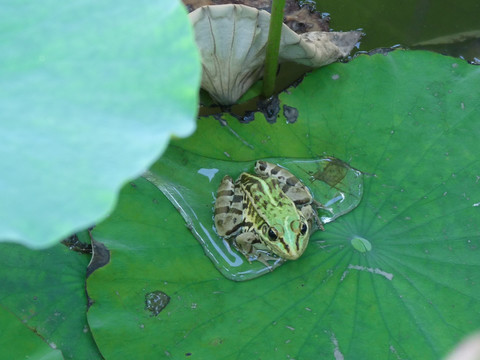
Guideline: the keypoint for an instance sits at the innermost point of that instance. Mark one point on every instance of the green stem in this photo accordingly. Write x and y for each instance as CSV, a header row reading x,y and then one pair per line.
x,y
273,45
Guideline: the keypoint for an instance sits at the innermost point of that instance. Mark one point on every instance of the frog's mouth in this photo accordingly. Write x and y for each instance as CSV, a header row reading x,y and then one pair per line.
x,y
289,250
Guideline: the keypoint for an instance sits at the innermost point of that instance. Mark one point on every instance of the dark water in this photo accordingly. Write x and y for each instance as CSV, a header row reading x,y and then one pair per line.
x,y
448,27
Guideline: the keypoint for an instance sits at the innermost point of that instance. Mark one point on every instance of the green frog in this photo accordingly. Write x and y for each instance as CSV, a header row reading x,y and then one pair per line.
x,y
269,212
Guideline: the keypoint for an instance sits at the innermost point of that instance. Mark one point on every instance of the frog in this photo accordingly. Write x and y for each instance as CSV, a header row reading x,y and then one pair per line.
x,y
267,215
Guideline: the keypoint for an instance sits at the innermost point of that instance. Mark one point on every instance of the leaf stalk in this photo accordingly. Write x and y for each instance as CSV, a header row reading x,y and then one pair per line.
x,y
273,46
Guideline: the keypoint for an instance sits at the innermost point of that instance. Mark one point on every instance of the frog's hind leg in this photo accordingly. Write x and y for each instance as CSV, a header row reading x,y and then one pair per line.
x,y
228,208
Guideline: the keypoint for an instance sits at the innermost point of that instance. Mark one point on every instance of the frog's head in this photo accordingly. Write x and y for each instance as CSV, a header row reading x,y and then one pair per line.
x,y
289,238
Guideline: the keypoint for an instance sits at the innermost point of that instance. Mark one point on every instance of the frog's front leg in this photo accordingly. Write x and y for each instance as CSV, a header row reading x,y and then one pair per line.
x,y
228,208
250,245
310,213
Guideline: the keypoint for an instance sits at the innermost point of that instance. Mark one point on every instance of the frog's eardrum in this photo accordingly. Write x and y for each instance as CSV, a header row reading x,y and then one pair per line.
x,y
232,41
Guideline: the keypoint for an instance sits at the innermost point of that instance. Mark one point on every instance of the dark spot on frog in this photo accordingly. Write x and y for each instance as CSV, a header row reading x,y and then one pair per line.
x,y
225,193
188,354
235,211
275,170
221,210
237,198
235,228
292,181
262,166
285,245
290,113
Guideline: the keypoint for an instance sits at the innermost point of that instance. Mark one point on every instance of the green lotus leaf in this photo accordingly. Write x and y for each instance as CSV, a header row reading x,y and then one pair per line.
x,y
30,346
394,278
91,93
43,295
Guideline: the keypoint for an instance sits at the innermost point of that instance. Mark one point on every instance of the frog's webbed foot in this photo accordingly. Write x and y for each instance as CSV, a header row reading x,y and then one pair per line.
x,y
319,205
318,221
264,258
246,243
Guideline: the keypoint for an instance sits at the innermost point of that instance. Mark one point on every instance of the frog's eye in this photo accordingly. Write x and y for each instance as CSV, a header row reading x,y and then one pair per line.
x,y
303,229
272,234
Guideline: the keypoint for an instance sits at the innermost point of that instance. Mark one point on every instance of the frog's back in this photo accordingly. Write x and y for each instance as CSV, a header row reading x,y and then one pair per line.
x,y
264,198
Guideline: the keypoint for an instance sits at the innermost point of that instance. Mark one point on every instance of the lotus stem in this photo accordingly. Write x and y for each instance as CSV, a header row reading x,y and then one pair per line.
x,y
273,45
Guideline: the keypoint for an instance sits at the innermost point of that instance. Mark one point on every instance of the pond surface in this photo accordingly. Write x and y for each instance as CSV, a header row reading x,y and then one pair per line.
x,y
448,27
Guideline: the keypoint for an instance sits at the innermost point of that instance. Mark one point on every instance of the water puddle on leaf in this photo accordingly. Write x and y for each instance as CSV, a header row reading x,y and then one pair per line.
x,y
190,183
360,244
156,301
